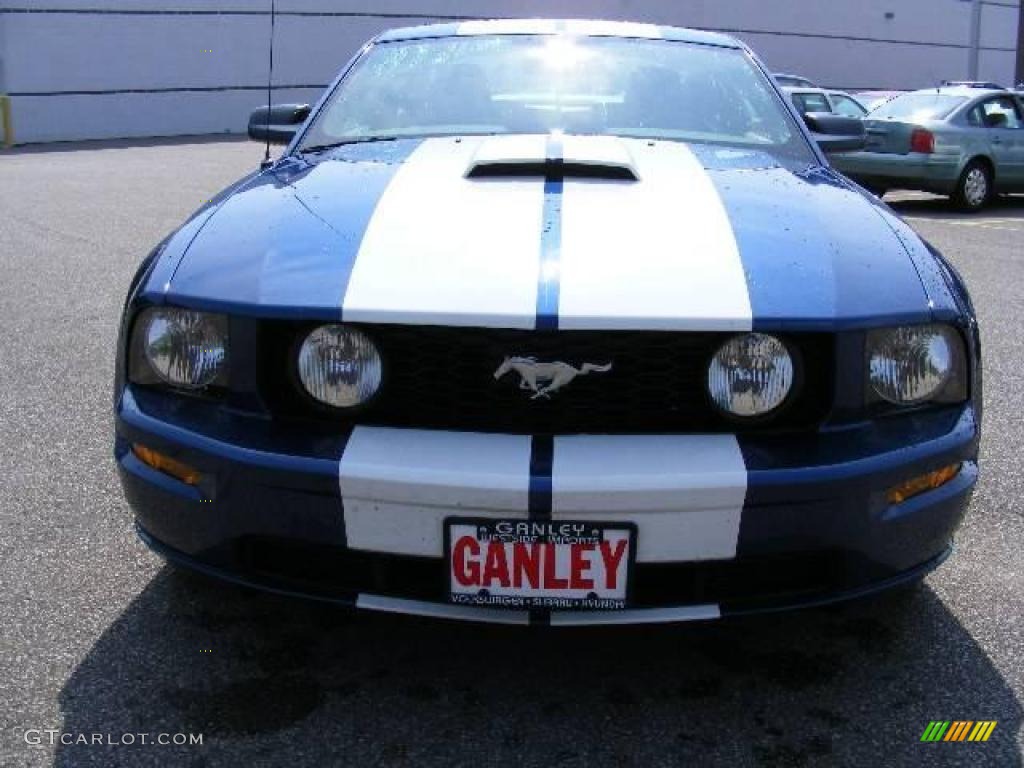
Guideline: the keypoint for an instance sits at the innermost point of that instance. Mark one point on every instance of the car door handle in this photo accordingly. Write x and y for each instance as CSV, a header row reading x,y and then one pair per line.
x,y
996,140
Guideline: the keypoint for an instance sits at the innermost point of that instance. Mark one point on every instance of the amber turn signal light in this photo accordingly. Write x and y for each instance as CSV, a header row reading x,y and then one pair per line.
x,y
166,464
922,483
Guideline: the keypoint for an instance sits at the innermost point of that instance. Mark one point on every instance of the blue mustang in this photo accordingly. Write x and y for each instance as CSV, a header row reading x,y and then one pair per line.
x,y
550,322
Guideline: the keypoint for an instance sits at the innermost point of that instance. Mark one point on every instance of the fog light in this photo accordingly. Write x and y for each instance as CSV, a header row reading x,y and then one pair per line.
x,y
340,366
166,464
750,375
922,483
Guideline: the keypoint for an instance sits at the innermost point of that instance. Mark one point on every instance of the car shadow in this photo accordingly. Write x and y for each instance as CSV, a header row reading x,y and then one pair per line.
x,y
921,205
275,681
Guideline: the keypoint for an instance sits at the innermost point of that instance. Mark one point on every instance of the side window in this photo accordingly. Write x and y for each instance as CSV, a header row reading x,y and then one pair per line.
x,y
846,106
976,117
1001,112
810,102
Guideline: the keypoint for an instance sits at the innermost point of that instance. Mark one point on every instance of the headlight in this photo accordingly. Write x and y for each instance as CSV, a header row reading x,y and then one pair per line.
x,y
750,375
339,366
913,364
181,347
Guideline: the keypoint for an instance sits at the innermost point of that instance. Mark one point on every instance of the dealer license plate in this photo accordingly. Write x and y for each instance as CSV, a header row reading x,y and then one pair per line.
x,y
560,565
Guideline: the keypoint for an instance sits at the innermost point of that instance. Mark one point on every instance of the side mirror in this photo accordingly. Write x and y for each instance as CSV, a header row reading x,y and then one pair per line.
x,y
836,133
277,123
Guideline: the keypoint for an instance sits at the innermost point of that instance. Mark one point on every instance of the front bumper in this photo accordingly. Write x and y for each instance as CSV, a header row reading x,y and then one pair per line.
x,y
356,518
914,170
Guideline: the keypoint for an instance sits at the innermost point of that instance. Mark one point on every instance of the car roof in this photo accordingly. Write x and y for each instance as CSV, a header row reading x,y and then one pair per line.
x,y
967,91
970,94
580,27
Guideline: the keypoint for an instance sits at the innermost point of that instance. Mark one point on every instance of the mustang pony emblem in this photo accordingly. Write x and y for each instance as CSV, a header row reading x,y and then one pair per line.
x,y
544,378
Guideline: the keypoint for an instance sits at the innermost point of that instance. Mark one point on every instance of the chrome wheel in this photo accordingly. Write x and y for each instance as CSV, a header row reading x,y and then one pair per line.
x,y
975,187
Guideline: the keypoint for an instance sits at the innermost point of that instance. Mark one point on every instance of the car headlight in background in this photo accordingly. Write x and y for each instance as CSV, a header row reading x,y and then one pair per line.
x,y
180,347
915,364
750,375
339,366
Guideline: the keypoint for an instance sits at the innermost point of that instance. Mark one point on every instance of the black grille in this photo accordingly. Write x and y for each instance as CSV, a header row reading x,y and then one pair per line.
x,y
746,582
443,378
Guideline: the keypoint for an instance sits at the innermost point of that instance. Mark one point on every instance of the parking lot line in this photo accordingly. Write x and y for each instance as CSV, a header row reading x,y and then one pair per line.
x,y
1015,225
988,222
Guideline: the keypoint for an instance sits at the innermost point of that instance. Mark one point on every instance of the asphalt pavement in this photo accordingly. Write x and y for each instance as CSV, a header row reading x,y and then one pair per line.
x,y
99,640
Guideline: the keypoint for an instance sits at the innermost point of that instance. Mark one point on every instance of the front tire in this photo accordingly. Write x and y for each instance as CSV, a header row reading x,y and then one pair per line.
x,y
974,188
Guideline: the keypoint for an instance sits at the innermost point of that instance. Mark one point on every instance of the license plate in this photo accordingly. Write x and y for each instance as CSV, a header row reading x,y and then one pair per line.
x,y
524,564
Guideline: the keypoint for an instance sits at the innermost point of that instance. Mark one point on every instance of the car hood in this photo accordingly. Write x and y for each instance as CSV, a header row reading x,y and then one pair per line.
x,y
551,232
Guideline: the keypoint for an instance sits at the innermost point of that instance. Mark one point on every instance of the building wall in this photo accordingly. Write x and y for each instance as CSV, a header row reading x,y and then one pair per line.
x,y
81,69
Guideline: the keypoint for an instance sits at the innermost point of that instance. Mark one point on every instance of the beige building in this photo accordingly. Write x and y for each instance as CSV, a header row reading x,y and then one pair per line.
x,y
78,69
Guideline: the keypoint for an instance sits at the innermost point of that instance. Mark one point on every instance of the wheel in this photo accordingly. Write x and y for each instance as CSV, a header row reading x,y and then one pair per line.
x,y
974,188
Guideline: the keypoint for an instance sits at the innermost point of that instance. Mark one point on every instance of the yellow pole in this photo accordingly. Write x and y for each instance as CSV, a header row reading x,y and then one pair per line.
x,y
5,120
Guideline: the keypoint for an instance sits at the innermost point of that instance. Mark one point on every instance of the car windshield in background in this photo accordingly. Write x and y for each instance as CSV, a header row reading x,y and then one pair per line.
x,y
516,84
846,106
924,105
811,102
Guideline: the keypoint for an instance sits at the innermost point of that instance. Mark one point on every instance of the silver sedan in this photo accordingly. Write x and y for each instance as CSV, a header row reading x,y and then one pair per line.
x,y
964,142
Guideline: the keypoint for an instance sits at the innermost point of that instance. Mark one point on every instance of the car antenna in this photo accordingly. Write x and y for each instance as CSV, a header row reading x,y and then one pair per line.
x,y
270,81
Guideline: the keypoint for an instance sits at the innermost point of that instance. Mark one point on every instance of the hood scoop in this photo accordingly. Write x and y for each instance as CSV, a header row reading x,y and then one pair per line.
x,y
587,157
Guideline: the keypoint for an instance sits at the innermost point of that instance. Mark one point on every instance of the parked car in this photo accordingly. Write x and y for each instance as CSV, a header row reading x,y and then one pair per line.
x,y
550,322
821,100
795,81
874,99
960,141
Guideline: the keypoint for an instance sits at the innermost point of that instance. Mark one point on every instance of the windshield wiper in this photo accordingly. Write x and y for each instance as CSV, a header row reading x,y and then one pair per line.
x,y
335,144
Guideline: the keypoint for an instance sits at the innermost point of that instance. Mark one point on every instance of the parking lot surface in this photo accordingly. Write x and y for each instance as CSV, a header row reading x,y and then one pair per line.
x,y
100,637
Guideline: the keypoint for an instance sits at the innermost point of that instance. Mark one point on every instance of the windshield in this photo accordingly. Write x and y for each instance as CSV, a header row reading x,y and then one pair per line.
x,y
923,105
541,84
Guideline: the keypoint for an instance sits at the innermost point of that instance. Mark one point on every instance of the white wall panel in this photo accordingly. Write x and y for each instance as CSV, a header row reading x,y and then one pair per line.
x,y
101,52
71,52
3,53
829,62
999,26
67,118
994,65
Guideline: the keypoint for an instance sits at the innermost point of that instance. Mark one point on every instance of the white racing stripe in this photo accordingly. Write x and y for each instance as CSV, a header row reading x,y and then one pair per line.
x,y
636,616
558,619
684,492
441,249
655,254
398,485
599,28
